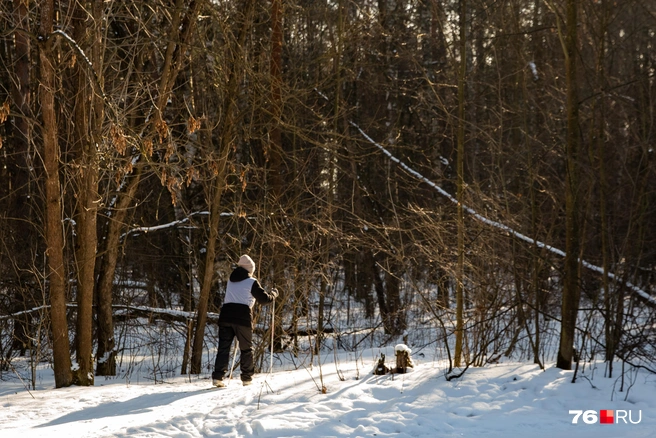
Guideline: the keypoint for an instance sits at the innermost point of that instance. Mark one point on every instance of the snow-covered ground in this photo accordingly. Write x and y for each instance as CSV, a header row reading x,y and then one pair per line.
x,y
501,400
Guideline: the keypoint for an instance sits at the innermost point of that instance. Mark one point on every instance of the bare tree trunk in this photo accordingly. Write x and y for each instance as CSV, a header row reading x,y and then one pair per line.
x,y
172,63
54,231
21,92
275,146
106,353
208,274
389,298
603,191
175,53
321,313
21,198
275,151
393,284
88,118
216,192
379,287
460,273
199,332
571,286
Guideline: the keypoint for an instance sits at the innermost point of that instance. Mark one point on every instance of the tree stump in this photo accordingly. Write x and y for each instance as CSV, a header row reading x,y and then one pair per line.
x,y
403,360
381,369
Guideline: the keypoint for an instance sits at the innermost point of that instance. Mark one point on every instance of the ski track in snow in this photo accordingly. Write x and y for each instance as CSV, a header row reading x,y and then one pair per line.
x,y
492,401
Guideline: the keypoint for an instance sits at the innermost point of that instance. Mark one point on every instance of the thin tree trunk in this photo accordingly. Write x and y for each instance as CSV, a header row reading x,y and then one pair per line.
x,y
21,92
571,287
20,202
88,116
379,287
208,273
532,192
460,274
275,145
216,193
275,152
394,305
320,314
601,157
54,231
172,64
106,353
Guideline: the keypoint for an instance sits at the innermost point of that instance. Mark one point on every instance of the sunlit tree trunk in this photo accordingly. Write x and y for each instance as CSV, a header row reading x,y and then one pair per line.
x,y
217,188
54,232
88,124
106,352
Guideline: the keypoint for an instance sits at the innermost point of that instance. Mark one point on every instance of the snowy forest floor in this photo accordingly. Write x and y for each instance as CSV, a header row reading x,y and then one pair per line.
x,y
497,400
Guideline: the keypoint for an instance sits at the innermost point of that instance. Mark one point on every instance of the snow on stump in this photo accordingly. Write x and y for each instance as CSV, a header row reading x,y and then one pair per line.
x,y
403,359
403,362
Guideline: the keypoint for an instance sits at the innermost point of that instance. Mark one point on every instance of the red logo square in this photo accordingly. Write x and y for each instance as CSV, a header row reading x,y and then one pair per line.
x,y
606,416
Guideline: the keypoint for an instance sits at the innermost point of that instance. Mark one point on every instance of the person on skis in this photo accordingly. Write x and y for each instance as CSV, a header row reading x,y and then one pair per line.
x,y
236,320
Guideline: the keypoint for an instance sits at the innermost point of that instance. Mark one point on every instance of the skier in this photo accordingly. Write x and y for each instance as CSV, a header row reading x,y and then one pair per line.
x,y
236,320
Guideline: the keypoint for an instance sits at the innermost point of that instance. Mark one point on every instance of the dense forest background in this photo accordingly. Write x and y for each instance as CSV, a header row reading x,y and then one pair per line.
x,y
146,145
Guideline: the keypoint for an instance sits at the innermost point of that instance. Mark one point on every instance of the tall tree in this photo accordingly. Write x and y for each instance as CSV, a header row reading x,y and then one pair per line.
x,y
600,152
571,280
57,278
89,114
20,196
218,183
274,150
460,184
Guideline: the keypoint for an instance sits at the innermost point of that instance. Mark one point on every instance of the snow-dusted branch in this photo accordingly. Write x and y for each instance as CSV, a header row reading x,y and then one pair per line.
x,y
164,226
120,310
644,294
24,312
92,75
171,224
94,78
178,315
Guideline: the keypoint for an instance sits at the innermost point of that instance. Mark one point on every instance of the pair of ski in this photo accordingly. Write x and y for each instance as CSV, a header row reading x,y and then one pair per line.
x,y
226,386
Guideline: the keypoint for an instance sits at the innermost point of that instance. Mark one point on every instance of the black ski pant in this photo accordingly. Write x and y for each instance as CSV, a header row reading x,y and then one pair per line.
x,y
244,335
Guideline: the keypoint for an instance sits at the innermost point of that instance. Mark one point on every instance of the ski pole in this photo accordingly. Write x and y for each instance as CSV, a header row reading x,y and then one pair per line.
x,y
234,358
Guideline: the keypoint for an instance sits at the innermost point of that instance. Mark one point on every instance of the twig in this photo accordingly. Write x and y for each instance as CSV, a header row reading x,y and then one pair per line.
x,y
583,376
21,379
260,395
456,376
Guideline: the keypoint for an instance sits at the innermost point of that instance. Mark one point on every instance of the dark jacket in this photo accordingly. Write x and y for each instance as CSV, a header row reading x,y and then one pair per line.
x,y
241,294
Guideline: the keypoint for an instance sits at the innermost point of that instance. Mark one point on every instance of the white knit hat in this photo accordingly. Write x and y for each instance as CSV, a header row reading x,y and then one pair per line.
x,y
247,263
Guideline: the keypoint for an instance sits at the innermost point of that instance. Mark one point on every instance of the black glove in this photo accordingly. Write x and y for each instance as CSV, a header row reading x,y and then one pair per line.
x,y
274,292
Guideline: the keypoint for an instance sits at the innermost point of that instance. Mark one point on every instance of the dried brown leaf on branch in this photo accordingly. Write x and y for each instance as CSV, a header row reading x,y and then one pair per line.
x,y
148,148
192,175
173,186
193,124
118,139
4,111
170,149
214,168
162,130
